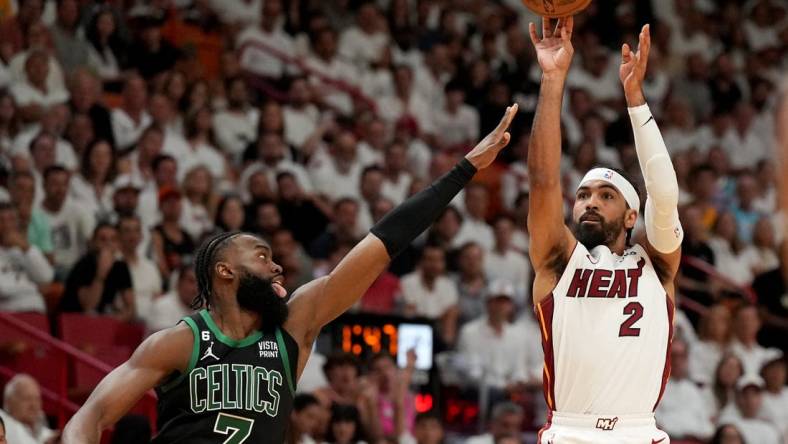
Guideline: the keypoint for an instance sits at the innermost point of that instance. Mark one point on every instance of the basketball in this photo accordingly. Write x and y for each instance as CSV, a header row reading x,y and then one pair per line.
x,y
556,8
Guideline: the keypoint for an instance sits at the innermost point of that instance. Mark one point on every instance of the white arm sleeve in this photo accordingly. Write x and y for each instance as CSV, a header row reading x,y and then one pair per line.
x,y
663,228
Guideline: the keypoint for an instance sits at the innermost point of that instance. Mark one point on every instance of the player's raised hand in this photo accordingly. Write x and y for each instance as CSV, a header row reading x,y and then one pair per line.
x,y
633,66
554,50
484,153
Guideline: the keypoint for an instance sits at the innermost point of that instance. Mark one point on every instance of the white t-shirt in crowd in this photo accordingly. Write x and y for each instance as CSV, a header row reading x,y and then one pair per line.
x,y
360,48
72,228
125,130
335,69
166,311
703,360
20,274
299,124
18,433
234,131
752,358
682,413
146,282
473,230
430,303
26,94
461,126
510,266
753,430
396,191
83,192
262,62
775,409
327,179
494,359
204,155
195,219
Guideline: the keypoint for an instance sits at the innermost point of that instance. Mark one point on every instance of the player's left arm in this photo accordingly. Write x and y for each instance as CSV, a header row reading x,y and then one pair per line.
x,y
322,300
663,228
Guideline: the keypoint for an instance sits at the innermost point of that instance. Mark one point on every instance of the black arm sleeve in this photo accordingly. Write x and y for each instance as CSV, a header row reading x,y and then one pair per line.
x,y
398,228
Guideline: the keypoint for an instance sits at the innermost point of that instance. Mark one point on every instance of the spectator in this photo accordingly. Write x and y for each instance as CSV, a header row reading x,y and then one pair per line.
x,y
54,124
70,45
395,400
145,277
338,175
261,43
343,230
397,181
744,413
131,118
761,255
125,200
746,323
235,127
345,387
22,401
457,121
730,252
199,202
92,186
2,431
165,170
167,310
306,213
13,27
506,420
727,434
371,190
681,412
150,54
85,90
428,292
105,52
202,145
491,344
266,219
22,190
505,262
296,264
474,228
172,245
22,266
272,153
326,65
407,103
471,281
345,426
720,393
71,225
304,419
230,214
301,116
427,429
714,333
99,282
775,395
361,44
33,95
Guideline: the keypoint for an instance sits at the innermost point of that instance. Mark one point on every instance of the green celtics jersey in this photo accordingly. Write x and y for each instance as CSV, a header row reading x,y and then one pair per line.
x,y
233,391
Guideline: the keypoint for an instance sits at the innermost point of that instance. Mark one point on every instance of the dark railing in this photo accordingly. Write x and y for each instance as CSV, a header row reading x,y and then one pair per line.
x,y
58,395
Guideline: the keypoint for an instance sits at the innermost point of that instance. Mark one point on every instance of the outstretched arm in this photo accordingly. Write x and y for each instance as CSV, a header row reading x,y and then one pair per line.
x,y
321,301
551,241
663,229
155,359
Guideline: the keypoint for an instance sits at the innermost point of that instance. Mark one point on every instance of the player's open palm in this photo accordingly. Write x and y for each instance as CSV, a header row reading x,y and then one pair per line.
x,y
484,153
633,64
554,50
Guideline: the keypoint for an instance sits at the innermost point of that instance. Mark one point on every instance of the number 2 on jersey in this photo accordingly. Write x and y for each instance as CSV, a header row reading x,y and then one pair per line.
x,y
635,312
239,428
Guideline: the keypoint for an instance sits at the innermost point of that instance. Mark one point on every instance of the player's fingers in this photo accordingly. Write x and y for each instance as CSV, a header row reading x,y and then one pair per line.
x,y
645,43
570,24
504,140
546,31
506,119
532,31
625,53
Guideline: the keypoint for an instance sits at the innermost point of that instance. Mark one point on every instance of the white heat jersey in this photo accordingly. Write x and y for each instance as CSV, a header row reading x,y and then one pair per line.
x,y
606,332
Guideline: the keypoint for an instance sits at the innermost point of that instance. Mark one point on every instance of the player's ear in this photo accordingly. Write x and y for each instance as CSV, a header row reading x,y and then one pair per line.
x,y
630,217
224,270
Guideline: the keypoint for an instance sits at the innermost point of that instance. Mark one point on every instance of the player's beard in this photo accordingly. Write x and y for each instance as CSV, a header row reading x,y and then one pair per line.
x,y
602,233
257,295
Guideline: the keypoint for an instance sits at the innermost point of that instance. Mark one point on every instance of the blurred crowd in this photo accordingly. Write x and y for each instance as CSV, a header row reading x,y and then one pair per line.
x,y
131,130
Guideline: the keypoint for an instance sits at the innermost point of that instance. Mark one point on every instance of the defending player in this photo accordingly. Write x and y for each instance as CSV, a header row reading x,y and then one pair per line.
x,y
605,306
227,374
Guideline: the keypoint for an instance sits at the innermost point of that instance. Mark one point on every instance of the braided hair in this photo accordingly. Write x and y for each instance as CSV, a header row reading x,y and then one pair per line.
x,y
205,259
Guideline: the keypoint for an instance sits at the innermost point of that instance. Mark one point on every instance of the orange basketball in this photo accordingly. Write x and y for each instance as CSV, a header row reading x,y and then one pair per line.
x,y
556,8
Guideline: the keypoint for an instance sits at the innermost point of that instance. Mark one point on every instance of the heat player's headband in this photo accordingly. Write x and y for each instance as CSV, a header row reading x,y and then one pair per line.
x,y
616,180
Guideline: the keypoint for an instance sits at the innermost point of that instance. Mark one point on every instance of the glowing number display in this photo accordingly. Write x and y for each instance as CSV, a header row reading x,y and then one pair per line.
x,y
357,338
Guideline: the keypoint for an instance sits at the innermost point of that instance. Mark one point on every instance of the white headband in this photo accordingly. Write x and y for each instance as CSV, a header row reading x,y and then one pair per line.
x,y
618,181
